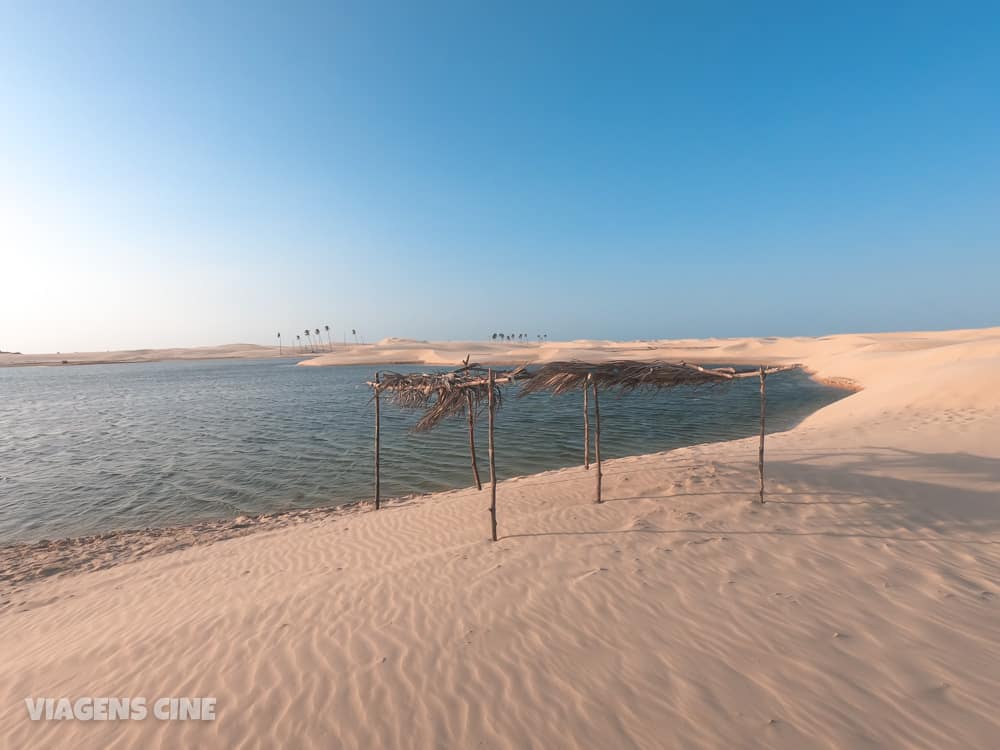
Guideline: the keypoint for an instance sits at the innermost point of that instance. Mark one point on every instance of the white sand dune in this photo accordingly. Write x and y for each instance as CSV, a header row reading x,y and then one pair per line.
x,y
226,351
860,607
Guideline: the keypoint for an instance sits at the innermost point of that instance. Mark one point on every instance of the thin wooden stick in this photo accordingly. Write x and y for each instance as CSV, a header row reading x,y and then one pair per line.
x,y
493,468
720,372
378,420
597,437
586,428
763,408
472,439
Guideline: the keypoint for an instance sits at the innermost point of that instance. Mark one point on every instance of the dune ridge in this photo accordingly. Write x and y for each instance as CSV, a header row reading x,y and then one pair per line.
x,y
860,607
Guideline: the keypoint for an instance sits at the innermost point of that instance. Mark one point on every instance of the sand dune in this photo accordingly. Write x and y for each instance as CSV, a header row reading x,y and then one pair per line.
x,y
226,351
860,607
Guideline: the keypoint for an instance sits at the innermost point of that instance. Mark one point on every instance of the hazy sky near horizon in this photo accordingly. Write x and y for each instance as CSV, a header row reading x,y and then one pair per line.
x,y
186,174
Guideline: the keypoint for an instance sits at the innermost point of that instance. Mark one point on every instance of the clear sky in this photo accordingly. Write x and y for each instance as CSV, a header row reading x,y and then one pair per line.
x,y
179,174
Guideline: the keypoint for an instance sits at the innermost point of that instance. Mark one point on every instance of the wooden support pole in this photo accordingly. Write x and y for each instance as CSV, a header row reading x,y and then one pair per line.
x,y
763,408
378,420
493,467
597,437
586,427
472,438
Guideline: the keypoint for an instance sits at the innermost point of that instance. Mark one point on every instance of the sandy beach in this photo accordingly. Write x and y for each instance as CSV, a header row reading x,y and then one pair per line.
x,y
859,607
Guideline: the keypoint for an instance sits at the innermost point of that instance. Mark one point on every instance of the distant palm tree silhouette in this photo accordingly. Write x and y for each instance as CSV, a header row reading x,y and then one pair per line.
x,y
354,333
279,343
298,341
319,341
329,342
309,339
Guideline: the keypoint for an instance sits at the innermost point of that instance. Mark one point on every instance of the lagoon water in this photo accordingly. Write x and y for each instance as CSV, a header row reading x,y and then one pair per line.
x,y
93,448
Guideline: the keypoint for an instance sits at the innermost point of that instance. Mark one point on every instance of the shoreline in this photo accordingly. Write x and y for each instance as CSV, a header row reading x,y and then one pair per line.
x,y
860,604
25,562
70,555
134,356
133,362
60,554
415,352
832,381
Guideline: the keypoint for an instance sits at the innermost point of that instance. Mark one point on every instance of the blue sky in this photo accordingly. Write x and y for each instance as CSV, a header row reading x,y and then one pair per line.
x,y
179,174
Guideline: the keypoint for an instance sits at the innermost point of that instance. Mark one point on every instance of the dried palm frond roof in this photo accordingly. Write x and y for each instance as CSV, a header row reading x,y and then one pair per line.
x,y
628,375
448,394
444,394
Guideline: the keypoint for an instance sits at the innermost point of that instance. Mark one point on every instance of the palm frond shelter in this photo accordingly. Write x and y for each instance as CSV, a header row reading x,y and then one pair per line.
x,y
472,388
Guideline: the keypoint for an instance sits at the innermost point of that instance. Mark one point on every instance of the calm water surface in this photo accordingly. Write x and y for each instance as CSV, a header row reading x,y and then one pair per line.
x,y
93,448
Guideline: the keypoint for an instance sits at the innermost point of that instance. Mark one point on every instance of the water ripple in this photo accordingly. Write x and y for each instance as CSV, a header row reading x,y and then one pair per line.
x,y
89,449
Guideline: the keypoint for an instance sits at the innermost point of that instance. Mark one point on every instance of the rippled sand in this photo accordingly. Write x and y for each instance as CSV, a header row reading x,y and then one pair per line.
x,y
860,607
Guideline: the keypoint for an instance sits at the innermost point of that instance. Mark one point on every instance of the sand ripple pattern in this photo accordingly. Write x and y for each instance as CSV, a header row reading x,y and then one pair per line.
x,y
853,610
858,608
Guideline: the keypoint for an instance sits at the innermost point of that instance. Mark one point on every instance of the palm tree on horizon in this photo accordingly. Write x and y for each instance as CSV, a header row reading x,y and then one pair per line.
x,y
298,340
329,341
309,340
279,343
